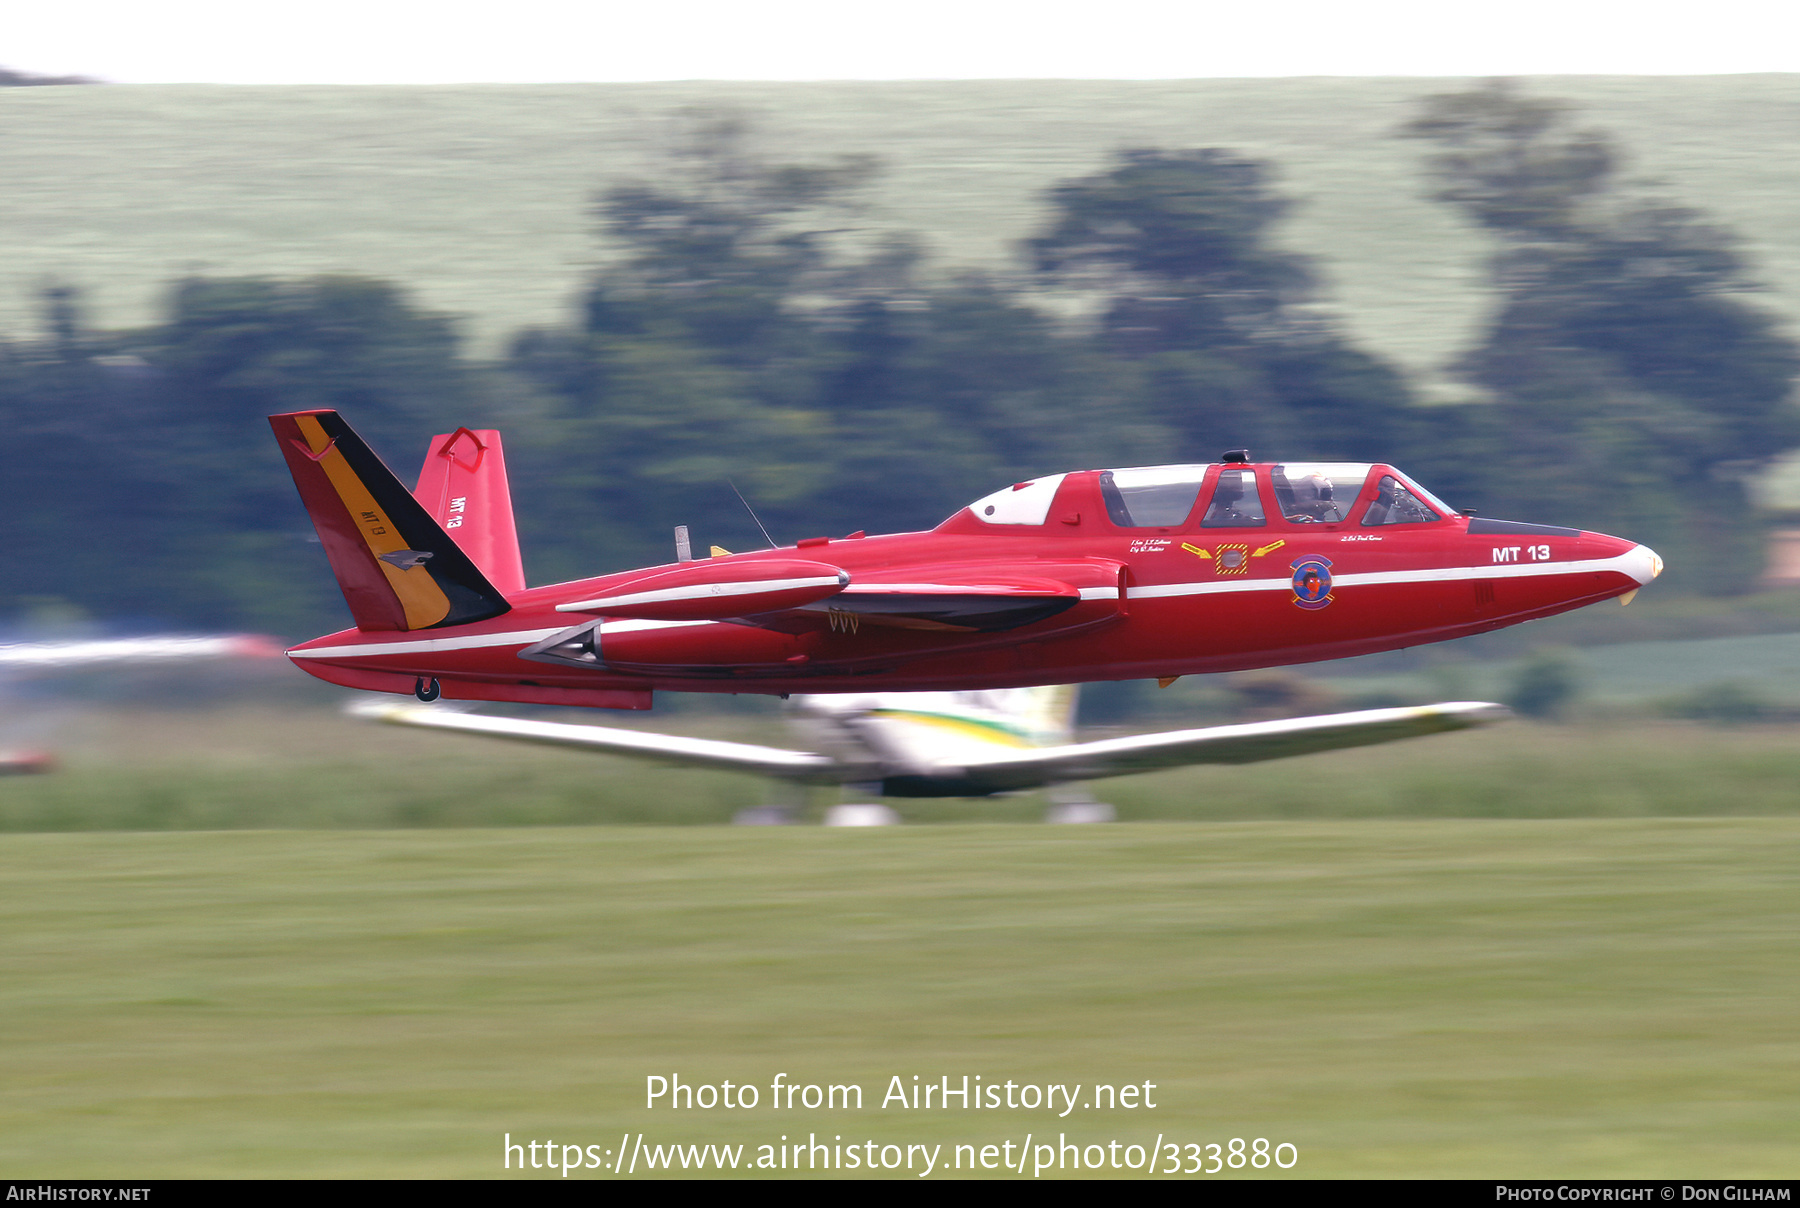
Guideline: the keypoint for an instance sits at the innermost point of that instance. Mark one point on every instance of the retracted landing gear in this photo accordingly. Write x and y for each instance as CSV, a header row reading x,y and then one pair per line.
x,y
426,691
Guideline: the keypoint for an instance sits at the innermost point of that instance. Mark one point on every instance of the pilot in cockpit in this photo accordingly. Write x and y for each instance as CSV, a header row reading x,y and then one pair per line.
x,y
1311,499
1234,503
1394,504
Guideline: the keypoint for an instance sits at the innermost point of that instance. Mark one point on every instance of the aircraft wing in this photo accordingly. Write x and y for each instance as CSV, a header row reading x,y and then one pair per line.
x,y
961,599
782,764
1004,771
1247,743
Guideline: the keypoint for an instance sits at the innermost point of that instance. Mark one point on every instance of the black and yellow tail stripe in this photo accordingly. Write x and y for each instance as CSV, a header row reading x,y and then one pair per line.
x,y
422,599
397,567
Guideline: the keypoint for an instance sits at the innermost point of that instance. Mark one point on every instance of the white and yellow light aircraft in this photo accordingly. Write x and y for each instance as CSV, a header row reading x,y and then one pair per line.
x,y
959,744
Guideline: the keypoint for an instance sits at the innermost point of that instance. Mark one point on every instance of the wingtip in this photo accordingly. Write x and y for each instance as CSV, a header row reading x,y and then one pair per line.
x,y
1472,712
373,708
383,708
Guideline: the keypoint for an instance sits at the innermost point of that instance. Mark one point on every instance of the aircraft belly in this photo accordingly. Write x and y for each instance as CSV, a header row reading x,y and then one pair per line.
x,y
722,648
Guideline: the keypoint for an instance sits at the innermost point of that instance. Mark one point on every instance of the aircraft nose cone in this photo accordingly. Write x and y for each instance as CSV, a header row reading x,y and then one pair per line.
x,y
1642,563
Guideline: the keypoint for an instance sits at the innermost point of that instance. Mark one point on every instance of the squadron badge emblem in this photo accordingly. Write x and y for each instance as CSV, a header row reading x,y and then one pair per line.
x,y
1312,582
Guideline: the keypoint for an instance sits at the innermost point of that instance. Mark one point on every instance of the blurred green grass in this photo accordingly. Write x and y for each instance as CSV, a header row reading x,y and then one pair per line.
x,y
1551,999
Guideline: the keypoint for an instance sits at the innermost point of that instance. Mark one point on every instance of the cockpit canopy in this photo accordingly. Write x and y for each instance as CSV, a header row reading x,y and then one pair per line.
x,y
1234,495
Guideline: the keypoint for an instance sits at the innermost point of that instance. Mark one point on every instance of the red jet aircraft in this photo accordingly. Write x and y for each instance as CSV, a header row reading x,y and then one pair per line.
x,y
1118,574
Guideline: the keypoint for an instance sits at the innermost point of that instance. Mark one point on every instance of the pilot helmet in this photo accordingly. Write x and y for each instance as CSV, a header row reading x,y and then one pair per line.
x,y
1309,488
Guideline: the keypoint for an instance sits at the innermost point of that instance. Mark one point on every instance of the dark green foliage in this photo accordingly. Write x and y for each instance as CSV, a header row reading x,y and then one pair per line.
x,y
1725,702
1206,320
1511,163
139,475
1179,242
26,79
81,501
700,361
1546,684
1633,383
750,331
725,244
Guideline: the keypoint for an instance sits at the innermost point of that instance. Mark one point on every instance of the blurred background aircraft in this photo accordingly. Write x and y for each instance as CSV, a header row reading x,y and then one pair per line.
x,y
957,744
20,751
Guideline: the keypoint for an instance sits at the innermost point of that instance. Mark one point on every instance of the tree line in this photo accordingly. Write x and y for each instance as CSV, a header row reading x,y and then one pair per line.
x,y
750,334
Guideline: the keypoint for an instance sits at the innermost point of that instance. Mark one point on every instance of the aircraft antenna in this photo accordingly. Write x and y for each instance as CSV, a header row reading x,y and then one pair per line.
x,y
752,511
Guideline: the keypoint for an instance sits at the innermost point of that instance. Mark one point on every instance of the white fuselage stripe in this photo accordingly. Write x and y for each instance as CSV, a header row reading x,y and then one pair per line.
x,y
1442,574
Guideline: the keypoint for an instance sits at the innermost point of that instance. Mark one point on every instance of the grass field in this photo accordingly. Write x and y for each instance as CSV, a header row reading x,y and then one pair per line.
x,y
1550,951
1599,998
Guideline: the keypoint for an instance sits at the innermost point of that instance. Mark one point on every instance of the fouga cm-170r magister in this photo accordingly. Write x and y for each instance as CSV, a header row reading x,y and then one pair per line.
x,y
1093,575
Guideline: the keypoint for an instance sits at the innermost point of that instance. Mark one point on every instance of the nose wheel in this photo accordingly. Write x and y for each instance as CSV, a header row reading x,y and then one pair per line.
x,y
426,690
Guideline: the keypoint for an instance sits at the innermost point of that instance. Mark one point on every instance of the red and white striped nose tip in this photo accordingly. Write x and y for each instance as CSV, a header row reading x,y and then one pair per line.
x,y
1637,564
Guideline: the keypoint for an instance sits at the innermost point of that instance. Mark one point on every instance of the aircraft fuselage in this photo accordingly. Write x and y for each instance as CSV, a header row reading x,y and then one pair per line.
x,y
1124,601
